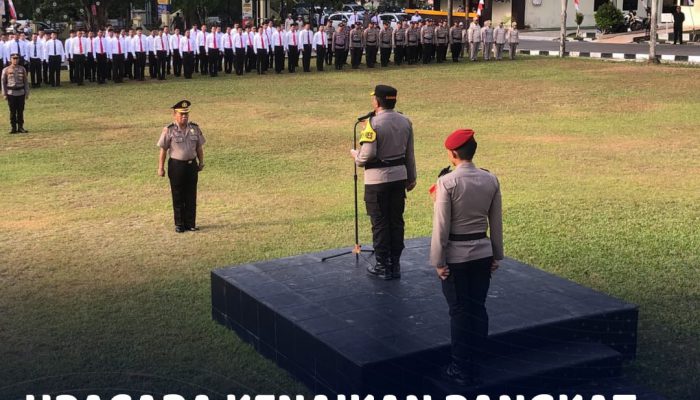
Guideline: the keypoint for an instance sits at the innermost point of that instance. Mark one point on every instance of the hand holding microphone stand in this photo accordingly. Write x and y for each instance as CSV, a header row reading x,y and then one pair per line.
x,y
357,248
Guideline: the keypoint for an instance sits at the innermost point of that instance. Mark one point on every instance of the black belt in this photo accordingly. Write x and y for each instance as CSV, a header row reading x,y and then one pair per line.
x,y
385,163
386,42
183,161
464,237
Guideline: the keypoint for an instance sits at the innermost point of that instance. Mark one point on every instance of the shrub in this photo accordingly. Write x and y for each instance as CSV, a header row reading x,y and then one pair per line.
x,y
608,18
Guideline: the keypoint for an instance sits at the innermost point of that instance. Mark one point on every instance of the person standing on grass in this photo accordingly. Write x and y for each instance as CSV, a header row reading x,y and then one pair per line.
x,y
513,38
467,204
182,141
499,36
15,89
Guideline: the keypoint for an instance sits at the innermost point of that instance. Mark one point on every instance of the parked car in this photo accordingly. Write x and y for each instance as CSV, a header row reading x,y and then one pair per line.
x,y
339,17
350,8
394,19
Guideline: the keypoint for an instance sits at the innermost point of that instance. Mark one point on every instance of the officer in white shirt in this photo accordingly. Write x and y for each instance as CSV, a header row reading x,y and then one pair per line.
x,y
80,47
213,47
152,59
320,44
175,44
99,49
189,50
279,44
169,56
161,48
227,46
203,55
139,52
117,48
16,45
293,49
55,56
306,38
239,45
260,46
36,55
68,45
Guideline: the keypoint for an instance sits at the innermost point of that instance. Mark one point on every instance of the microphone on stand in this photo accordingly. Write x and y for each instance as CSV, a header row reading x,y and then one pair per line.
x,y
366,116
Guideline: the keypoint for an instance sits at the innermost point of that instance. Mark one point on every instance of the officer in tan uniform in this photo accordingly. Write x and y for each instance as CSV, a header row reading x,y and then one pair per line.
x,y
474,35
456,42
15,89
386,154
427,41
412,41
513,38
370,37
467,204
499,36
386,36
356,46
441,39
183,141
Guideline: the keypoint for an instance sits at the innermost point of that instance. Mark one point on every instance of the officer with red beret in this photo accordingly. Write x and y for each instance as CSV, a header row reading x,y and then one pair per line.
x,y
467,204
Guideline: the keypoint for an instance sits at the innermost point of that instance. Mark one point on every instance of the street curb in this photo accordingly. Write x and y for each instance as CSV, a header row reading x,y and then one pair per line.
x,y
613,56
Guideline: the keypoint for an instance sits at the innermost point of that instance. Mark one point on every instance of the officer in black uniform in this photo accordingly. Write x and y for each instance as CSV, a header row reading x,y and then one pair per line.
x,y
386,154
183,141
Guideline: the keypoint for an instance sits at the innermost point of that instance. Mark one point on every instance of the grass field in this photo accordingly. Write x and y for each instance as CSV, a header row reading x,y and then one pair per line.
x,y
599,164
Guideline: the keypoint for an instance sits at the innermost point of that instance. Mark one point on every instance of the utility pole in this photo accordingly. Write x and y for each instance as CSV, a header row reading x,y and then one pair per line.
x,y
562,35
652,32
449,14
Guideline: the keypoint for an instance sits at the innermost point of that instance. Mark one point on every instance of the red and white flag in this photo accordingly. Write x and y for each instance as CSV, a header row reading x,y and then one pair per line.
x,y
576,4
481,7
13,13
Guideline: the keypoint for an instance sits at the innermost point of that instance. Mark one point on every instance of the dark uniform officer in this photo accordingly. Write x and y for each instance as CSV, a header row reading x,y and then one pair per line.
x,y
400,43
183,141
340,47
356,46
412,40
386,36
467,203
15,89
370,37
456,42
427,41
386,153
441,40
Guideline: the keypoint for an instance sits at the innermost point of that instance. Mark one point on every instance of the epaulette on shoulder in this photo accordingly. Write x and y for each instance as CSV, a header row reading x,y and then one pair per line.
x,y
194,124
484,169
172,124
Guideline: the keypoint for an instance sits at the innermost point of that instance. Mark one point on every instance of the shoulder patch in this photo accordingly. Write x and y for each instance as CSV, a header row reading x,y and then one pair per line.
x,y
170,126
193,124
368,135
484,169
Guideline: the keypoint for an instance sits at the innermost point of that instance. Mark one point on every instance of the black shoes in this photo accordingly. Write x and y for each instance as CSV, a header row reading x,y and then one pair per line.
x,y
13,131
380,270
22,130
192,229
179,229
395,268
456,375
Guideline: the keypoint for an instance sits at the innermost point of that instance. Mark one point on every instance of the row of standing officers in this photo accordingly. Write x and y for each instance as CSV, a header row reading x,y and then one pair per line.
x,y
111,55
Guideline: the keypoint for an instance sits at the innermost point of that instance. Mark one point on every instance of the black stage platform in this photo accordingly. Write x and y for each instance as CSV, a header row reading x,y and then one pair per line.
x,y
340,331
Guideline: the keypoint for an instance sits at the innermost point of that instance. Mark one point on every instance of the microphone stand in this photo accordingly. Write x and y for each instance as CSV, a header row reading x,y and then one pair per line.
x,y
357,249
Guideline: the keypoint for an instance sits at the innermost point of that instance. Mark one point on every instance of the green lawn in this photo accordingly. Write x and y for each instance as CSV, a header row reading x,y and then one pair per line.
x,y
599,164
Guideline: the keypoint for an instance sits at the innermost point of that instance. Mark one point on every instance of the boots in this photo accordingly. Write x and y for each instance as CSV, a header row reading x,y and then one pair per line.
x,y
381,270
14,129
396,267
22,130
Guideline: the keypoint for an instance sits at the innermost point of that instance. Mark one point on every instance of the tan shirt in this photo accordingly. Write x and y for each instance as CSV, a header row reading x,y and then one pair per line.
x,y
468,201
14,81
181,144
393,139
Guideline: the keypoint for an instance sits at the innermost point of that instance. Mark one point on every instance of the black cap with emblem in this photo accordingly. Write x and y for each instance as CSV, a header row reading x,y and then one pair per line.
x,y
182,106
386,96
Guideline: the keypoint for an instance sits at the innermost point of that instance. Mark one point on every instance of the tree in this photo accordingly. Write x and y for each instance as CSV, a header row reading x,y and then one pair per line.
x,y
608,17
562,29
652,32
579,21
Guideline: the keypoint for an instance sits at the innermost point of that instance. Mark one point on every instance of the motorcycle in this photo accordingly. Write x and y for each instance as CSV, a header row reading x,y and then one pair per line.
x,y
633,22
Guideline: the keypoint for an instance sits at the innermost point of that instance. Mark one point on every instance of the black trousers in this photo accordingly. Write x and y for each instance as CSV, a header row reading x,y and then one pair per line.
x,y
55,70
339,57
441,51
329,55
152,66
384,56
45,70
183,186
306,58
118,68
385,204
412,54
35,71
228,60
279,59
16,104
129,66
168,61
79,64
399,54
428,52
161,64
177,63
140,66
293,62
101,68
71,70
371,56
251,60
261,64
465,291
239,61
213,62
355,57
456,49
203,61
90,68
320,57
188,64
677,34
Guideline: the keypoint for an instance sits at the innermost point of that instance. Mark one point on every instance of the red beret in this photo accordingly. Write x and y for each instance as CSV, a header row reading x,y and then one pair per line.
x,y
458,138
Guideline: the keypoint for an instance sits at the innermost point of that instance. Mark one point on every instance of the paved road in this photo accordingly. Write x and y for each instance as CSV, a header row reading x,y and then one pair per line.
x,y
628,48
